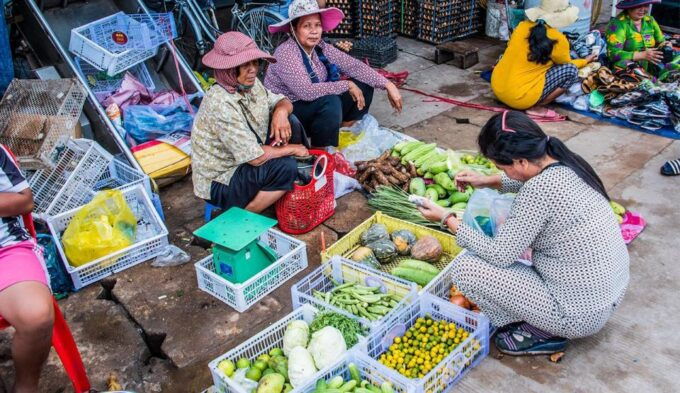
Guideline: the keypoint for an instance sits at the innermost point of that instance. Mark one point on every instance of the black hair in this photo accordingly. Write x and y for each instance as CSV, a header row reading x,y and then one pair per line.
x,y
531,143
540,46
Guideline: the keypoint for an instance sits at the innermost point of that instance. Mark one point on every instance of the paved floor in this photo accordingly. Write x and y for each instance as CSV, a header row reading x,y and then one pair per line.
x,y
156,331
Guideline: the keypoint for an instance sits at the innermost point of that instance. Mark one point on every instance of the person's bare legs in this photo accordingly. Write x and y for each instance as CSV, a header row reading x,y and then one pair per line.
x,y
540,109
27,306
348,124
263,200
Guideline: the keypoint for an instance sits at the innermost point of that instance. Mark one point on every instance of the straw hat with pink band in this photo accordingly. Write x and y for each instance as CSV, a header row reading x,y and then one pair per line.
x,y
231,50
330,17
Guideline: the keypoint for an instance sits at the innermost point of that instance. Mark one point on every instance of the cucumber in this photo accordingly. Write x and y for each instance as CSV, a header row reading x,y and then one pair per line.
x,y
440,190
417,276
432,194
419,162
348,386
410,146
439,167
436,160
354,372
419,265
417,153
386,387
335,382
399,146
443,202
459,206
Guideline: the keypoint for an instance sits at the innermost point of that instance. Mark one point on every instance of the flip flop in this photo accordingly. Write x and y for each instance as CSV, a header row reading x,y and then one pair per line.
x,y
671,168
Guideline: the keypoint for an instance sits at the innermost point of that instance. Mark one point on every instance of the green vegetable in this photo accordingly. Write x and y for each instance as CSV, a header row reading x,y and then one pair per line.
x,y
403,239
279,364
459,206
335,382
432,161
440,190
458,197
386,387
349,328
417,186
364,390
272,383
394,202
431,194
410,146
428,175
419,265
374,233
383,249
365,256
417,152
418,276
425,157
438,167
445,181
443,203
354,372
321,386
395,153
399,146
348,386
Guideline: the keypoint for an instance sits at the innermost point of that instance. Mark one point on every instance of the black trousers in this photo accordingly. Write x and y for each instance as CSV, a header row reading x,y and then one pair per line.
x,y
322,117
278,174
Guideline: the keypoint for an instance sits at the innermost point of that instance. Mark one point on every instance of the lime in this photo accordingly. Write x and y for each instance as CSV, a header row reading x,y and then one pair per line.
x,y
254,374
264,357
260,364
276,352
227,367
243,363
267,371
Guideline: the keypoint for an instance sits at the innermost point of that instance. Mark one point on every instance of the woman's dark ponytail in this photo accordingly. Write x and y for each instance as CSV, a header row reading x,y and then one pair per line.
x,y
540,46
520,137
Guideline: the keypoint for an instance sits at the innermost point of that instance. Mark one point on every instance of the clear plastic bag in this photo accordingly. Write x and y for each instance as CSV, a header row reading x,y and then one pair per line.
x,y
487,211
374,142
171,255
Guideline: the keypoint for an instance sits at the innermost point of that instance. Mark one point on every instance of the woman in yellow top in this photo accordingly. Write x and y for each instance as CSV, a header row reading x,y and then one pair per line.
x,y
536,67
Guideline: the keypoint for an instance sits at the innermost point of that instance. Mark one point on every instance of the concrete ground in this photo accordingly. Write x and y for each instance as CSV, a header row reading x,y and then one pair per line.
x,y
156,331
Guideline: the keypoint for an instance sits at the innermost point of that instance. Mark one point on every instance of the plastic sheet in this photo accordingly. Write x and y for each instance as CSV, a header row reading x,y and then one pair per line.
x,y
171,255
374,142
149,122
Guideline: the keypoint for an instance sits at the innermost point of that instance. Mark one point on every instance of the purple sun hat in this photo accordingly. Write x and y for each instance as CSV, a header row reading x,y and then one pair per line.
x,y
628,4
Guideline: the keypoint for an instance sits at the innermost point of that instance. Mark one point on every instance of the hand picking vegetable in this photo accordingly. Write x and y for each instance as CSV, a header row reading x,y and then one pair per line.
x,y
362,301
350,329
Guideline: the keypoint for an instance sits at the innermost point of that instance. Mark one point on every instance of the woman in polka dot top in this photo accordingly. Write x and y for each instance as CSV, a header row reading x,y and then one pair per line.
x,y
561,211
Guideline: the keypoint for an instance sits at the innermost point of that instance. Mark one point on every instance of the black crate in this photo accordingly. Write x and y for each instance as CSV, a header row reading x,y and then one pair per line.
x,y
407,17
448,20
376,18
379,51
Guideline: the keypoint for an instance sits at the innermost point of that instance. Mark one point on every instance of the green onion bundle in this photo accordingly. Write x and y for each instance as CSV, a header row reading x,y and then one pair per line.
x,y
394,202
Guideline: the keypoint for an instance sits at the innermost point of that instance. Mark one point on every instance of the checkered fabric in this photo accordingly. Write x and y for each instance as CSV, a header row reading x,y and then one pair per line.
x,y
559,75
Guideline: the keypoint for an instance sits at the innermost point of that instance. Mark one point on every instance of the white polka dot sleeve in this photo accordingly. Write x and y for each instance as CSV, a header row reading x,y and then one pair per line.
x,y
509,185
527,217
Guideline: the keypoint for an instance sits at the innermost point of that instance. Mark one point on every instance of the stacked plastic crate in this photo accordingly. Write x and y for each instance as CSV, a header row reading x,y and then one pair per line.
x,y
376,18
346,28
447,20
407,18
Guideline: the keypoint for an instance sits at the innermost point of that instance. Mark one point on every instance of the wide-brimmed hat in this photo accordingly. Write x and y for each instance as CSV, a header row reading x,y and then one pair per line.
x,y
233,49
627,4
556,13
330,17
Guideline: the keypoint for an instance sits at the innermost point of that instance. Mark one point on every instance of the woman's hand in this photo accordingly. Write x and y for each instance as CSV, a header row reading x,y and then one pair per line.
x,y
357,95
394,96
468,177
299,150
650,54
280,128
435,213
591,58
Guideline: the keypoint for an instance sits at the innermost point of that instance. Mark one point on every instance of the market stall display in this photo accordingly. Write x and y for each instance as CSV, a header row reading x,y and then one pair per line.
x,y
145,230
348,288
377,234
300,348
430,345
250,259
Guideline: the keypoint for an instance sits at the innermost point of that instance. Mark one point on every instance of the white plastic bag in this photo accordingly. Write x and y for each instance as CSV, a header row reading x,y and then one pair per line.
x,y
344,184
374,142
171,255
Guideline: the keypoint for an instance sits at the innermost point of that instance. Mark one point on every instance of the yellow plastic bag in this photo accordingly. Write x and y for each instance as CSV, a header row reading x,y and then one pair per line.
x,y
103,226
347,138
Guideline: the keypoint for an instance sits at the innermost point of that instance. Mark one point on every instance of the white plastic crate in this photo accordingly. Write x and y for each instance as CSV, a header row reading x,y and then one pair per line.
x,y
120,41
455,365
368,370
151,238
102,85
261,343
342,270
79,168
292,259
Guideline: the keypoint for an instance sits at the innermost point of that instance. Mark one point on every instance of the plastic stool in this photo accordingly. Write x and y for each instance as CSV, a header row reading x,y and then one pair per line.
x,y
207,212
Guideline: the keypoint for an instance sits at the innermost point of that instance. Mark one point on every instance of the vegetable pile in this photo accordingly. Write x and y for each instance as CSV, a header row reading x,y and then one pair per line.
x,y
384,170
423,346
349,328
306,349
362,301
456,297
355,384
380,248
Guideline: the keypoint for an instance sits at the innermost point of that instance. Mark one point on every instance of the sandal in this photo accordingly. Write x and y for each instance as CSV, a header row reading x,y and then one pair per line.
x,y
630,97
589,84
606,76
671,168
525,339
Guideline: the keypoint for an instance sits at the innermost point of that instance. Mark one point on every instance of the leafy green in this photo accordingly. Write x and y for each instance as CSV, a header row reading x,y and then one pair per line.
x,y
350,329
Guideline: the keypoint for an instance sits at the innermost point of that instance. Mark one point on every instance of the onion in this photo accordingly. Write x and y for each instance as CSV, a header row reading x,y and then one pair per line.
x,y
460,300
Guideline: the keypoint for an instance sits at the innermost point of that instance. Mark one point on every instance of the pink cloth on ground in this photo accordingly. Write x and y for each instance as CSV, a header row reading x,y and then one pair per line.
x,y
631,226
21,262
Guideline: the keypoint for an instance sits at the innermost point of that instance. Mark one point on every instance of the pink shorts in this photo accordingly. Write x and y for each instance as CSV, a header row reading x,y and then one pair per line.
x,y
21,262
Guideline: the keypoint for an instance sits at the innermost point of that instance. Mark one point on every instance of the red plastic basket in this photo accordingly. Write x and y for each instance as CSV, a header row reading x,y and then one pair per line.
x,y
304,207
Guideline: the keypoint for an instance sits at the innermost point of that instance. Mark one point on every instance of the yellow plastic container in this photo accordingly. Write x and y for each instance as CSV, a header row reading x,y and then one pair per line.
x,y
351,241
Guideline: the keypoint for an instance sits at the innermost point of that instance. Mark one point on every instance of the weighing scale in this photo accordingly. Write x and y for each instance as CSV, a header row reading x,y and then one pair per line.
x,y
238,254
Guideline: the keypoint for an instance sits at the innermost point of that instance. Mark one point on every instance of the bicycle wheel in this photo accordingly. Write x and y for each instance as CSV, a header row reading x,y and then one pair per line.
x,y
254,23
